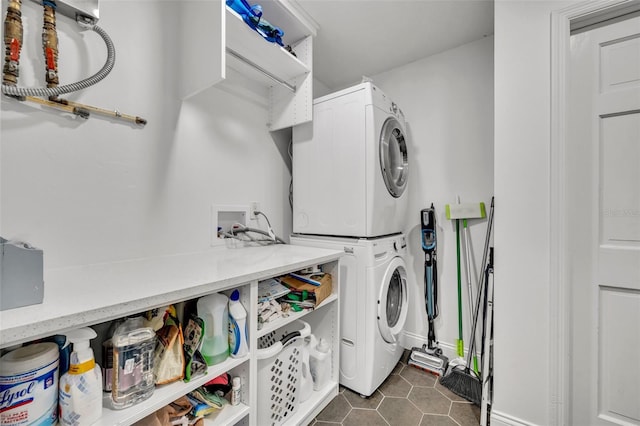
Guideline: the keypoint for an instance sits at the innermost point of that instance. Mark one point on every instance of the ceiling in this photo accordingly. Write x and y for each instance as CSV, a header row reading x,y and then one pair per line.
x,y
359,38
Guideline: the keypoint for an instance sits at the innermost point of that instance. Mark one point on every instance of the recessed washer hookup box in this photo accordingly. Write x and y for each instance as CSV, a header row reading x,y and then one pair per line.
x,y
21,275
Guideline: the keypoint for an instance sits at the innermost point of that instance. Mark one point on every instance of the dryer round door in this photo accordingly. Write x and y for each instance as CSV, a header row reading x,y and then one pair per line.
x,y
394,161
392,301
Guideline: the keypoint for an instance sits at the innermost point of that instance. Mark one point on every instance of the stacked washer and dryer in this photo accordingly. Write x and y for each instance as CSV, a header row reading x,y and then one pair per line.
x,y
350,170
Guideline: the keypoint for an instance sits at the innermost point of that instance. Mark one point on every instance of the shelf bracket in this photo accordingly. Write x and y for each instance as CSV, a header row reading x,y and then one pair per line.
x,y
260,69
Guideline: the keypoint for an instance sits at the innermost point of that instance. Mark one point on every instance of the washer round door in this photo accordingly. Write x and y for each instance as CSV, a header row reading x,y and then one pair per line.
x,y
392,301
394,161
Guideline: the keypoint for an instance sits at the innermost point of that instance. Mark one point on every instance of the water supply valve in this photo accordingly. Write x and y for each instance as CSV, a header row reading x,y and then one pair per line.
x,y
86,11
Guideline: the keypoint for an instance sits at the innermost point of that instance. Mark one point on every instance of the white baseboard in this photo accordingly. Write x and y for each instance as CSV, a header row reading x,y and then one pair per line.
x,y
503,419
411,340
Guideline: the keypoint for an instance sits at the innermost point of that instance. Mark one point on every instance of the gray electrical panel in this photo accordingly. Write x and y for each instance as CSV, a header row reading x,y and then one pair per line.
x,y
21,275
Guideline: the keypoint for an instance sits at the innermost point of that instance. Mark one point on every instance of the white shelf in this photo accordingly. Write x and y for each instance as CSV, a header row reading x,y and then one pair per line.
x,y
102,292
217,43
288,79
124,288
312,406
271,57
231,414
164,395
268,327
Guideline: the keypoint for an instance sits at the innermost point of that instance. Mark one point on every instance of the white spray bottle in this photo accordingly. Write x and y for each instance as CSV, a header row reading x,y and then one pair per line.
x,y
319,362
80,395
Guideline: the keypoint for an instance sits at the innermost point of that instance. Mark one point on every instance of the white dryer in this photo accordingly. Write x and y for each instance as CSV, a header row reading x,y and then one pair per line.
x,y
350,166
373,306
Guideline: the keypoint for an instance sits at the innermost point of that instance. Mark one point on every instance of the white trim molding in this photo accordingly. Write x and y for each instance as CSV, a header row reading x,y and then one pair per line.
x,y
563,21
502,419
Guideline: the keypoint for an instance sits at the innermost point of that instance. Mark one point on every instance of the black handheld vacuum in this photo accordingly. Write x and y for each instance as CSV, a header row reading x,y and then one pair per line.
x,y
429,357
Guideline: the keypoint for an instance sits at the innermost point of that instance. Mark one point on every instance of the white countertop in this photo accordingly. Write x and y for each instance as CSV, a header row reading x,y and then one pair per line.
x,y
96,293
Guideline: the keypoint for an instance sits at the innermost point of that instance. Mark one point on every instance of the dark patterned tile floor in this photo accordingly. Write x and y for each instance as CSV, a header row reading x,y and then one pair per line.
x,y
408,397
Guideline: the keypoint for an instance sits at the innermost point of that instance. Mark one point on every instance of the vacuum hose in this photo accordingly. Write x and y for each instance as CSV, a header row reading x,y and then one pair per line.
x,y
73,87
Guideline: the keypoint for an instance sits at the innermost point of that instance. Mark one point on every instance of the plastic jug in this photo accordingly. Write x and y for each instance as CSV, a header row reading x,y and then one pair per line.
x,y
237,327
306,381
132,377
214,311
319,362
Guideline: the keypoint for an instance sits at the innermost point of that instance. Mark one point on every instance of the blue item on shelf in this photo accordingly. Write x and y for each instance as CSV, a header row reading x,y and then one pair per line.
x,y
252,16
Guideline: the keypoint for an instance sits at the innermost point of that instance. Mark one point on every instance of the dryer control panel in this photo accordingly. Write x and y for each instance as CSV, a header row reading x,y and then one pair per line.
x,y
382,101
400,243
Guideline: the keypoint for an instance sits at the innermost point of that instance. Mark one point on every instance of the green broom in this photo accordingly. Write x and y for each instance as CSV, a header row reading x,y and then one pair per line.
x,y
461,380
460,342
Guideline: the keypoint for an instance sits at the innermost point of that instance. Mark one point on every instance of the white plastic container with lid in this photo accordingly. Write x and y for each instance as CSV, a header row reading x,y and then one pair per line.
x,y
235,391
306,380
319,362
29,383
238,346
214,311
81,387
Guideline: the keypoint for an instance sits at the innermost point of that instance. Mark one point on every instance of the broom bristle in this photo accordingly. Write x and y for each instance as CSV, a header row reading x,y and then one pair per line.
x,y
464,384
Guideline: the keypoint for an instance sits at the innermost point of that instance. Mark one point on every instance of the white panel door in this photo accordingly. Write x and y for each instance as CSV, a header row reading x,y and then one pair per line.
x,y
603,195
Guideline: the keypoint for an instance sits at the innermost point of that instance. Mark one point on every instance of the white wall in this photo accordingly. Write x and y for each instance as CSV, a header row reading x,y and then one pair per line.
x,y
448,102
319,89
102,191
522,166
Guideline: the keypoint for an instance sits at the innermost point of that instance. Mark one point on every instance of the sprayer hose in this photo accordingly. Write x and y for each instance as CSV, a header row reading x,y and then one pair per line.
x,y
73,87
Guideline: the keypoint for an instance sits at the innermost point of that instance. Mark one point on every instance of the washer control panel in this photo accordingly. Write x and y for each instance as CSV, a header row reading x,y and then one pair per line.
x,y
400,243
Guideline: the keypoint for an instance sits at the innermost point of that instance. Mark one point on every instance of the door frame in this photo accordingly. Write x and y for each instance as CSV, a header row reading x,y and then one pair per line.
x,y
563,21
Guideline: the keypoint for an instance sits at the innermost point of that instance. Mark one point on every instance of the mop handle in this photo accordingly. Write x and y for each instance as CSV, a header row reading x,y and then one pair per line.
x,y
467,244
460,337
487,350
486,243
479,296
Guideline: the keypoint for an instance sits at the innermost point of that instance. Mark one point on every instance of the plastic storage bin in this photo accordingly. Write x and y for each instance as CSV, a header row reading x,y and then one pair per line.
x,y
280,373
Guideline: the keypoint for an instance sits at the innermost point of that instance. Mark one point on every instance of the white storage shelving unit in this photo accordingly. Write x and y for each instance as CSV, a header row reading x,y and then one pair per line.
x,y
216,41
103,292
163,395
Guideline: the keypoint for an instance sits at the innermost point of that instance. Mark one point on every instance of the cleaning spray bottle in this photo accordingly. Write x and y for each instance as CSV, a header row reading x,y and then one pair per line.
x,y
81,387
237,326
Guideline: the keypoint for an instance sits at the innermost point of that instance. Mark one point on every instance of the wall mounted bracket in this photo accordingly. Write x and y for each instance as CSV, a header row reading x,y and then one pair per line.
x,y
86,11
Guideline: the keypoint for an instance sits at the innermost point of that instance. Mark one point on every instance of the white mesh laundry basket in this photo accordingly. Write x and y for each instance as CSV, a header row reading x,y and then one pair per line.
x,y
279,373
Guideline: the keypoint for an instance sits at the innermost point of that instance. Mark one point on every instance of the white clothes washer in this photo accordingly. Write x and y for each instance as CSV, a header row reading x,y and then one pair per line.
x,y
373,306
350,166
